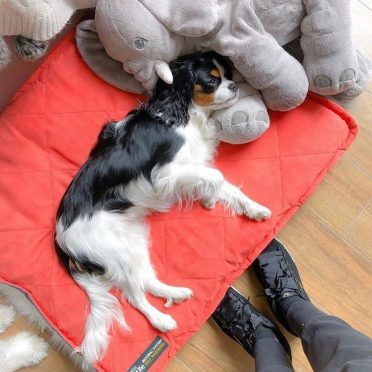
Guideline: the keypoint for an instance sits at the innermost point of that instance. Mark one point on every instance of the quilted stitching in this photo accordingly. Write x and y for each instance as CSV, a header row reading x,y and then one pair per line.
x,y
45,135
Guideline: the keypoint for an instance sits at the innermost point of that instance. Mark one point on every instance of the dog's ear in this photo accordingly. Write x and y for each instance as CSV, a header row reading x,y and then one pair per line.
x,y
227,64
171,102
224,61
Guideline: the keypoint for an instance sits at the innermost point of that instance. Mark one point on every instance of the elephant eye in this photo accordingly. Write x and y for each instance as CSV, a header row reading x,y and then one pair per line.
x,y
139,43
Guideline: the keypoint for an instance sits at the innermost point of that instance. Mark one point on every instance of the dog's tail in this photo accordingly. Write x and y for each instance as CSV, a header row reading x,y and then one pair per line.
x,y
104,309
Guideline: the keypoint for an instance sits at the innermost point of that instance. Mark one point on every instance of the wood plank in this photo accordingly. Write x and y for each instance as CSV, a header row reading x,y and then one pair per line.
x,y
194,358
342,196
361,109
176,364
360,150
359,234
333,272
362,31
367,4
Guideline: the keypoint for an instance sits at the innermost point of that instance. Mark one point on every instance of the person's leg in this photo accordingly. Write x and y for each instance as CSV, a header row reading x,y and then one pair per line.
x,y
329,343
257,334
270,356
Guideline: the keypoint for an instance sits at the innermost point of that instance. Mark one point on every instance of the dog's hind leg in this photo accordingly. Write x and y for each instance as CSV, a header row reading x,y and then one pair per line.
x,y
170,293
134,293
159,289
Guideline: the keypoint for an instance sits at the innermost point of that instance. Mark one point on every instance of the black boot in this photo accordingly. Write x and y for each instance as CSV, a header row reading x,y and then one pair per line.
x,y
244,324
279,276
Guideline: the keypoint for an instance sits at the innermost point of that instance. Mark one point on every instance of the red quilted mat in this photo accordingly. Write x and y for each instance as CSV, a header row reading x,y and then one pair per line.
x,y
45,135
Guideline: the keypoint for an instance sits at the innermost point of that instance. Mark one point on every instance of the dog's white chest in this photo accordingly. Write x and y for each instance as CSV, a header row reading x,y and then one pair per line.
x,y
200,140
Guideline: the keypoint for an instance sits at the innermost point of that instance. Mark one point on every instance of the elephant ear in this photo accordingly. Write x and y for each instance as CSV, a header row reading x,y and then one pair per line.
x,y
95,56
188,18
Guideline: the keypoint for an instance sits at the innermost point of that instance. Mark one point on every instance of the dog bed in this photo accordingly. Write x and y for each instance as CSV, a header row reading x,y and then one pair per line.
x,y
47,132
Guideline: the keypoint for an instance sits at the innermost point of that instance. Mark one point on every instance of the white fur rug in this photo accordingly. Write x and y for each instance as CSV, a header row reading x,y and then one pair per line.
x,y
26,349
22,350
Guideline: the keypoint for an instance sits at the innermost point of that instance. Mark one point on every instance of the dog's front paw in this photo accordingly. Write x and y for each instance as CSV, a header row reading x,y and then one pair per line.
x,y
179,295
257,212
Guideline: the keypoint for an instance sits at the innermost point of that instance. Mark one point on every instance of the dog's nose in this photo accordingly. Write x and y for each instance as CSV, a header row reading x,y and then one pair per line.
x,y
233,87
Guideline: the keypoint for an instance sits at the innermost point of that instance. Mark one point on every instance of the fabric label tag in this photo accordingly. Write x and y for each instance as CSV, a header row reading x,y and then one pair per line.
x,y
149,356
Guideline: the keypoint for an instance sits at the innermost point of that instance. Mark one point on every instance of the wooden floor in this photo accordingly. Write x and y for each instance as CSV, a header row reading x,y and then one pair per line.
x,y
330,238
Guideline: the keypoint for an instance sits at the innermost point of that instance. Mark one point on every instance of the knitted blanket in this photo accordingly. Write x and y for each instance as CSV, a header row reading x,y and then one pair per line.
x,y
38,20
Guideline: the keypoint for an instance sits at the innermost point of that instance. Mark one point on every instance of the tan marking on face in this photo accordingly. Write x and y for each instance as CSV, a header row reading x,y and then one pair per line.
x,y
215,73
202,99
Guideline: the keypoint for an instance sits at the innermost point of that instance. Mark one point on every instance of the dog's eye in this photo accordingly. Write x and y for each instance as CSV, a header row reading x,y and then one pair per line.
x,y
139,43
214,82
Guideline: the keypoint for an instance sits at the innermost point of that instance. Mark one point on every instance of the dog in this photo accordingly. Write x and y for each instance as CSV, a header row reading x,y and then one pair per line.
x,y
158,155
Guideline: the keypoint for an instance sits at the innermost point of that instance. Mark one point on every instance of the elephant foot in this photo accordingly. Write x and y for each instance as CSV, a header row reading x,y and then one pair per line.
x,y
243,122
290,93
29,49
333,73
363,79
4,54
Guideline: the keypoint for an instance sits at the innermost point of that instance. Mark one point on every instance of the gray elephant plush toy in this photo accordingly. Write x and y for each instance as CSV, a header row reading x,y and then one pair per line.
x,y
143,36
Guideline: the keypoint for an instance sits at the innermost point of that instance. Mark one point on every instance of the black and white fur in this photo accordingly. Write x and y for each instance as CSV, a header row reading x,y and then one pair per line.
x,y
158,155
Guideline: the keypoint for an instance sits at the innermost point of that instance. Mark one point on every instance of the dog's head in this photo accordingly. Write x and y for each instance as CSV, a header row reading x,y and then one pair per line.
x,y
204,79
213,86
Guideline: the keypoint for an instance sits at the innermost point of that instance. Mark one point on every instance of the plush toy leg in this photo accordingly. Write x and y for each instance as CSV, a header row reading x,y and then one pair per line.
x,y
29,49
4,54
259,58
330,58
246,120
95,56
364,77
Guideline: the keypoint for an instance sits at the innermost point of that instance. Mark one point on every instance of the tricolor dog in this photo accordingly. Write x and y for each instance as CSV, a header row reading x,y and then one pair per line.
x,y
160,154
